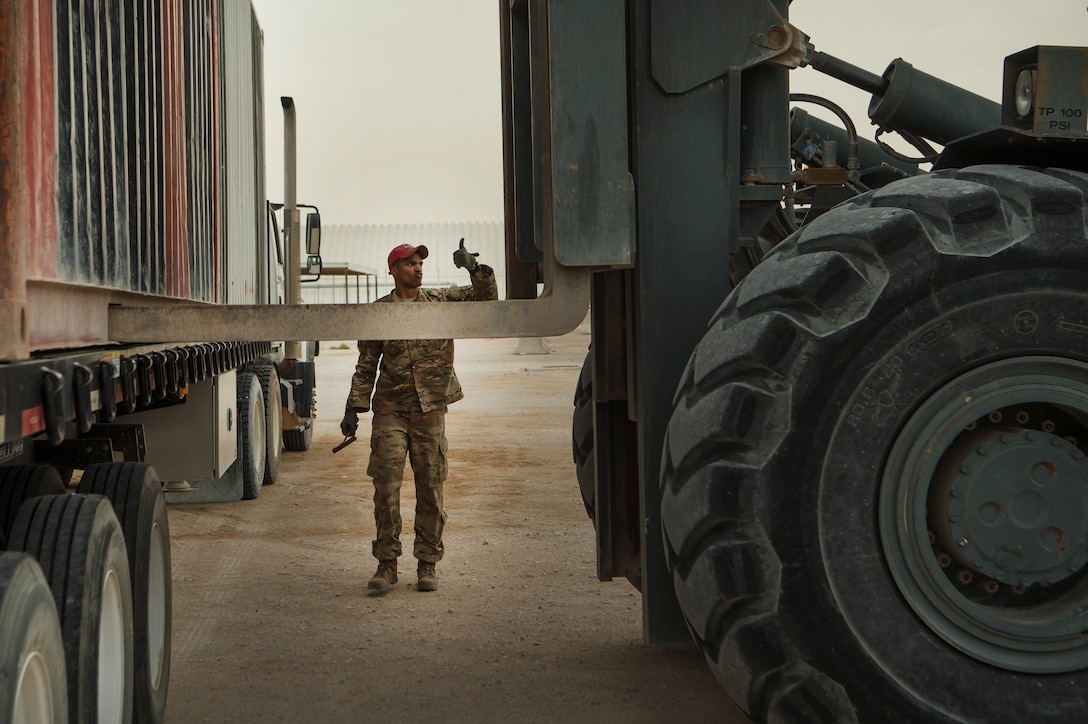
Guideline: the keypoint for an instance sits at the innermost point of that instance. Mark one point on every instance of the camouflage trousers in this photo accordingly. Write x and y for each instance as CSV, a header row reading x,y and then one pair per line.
x,y
421,437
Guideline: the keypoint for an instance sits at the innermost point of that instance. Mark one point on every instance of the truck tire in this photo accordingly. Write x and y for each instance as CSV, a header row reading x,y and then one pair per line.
x,y
20,482
137,498
874,479
251,434
273,418
33,686
582,437
299,439
305,390
78,542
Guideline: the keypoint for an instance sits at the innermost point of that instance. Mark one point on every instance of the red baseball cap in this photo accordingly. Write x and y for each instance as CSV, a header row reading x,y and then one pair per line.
x,y
404,251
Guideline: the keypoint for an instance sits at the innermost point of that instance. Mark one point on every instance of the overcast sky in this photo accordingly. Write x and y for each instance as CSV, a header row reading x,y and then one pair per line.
x,y
398,101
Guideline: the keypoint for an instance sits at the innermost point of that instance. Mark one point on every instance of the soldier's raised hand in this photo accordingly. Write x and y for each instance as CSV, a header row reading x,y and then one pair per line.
x,y
464,258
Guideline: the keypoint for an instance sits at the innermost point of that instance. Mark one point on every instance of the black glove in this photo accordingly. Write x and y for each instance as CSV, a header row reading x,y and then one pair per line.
x,y
465,258
350,423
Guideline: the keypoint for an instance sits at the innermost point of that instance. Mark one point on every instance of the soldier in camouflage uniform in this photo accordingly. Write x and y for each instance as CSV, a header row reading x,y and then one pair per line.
x,y
415,385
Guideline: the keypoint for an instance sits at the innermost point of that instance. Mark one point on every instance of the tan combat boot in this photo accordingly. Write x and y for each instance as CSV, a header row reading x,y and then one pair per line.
x,y
428,579
384,578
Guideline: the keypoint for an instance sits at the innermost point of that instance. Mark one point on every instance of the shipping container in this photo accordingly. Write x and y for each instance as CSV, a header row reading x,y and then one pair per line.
x,y
131,173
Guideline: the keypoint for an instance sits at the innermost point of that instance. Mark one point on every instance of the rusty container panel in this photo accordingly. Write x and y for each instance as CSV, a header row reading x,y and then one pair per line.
x,y
39,140
143,195
137,147
93,131
175,246
130,137
243,180
191,149
27,149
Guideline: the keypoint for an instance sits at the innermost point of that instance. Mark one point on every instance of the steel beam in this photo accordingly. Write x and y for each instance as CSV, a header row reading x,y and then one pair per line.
x,y
561,308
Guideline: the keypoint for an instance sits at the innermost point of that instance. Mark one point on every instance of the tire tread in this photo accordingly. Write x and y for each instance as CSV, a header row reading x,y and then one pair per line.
x,y
736,405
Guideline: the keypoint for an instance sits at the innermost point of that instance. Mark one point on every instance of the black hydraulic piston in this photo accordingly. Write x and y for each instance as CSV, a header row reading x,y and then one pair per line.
x,y
848,73
908,100
930,107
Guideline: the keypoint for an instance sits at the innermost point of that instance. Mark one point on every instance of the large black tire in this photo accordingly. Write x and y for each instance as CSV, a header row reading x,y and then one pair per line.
x,y
305,390
874,479
33,686
251,434
581,432
273,418
137,498
582,444
21,482
81,549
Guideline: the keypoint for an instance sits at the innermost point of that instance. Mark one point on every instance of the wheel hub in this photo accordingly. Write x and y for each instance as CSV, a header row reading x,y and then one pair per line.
x,y
984,513
1013,506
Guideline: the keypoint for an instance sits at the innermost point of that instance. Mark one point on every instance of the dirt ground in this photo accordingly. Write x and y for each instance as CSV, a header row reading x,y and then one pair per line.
x,y
271,617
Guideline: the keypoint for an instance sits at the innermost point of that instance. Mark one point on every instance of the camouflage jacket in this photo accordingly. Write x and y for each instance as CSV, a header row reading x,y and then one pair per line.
x,y
416,371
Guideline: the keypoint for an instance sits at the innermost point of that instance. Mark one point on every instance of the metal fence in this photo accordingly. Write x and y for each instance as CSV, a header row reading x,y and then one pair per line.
x,y
354,258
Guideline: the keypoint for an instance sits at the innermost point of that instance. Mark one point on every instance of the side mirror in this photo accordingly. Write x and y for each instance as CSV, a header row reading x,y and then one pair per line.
x,y
313,264
313,234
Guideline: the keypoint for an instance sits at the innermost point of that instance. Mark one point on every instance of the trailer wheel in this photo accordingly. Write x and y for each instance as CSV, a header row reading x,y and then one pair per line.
x,y
582,436
20,482
137,498
79,544
875,480
273,418
251,434
32,679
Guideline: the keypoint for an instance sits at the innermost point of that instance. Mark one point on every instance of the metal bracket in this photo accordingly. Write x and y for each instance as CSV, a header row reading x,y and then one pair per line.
x,y
562,307
225,489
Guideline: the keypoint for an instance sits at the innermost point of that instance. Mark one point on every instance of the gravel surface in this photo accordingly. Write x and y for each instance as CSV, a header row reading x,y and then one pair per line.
x,y
271,617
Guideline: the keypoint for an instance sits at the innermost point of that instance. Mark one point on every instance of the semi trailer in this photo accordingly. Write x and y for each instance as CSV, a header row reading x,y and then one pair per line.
x,y
132,155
